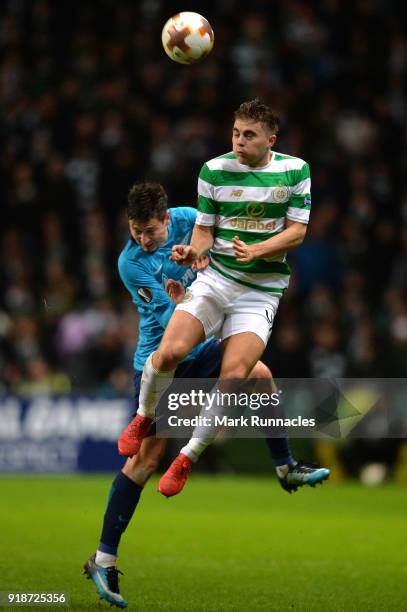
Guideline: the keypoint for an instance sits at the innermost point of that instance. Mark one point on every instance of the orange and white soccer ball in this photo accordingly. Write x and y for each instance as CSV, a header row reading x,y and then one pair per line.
x,y
187,37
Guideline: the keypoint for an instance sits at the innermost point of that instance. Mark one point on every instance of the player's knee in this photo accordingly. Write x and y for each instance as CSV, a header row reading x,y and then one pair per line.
x,y
170,355
234,369
260,370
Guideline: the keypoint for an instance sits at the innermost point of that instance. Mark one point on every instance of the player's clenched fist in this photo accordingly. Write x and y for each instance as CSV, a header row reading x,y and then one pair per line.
x,y
184,254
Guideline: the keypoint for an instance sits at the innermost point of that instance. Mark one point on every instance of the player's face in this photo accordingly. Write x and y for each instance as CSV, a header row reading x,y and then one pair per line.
x,y
252,142
151,235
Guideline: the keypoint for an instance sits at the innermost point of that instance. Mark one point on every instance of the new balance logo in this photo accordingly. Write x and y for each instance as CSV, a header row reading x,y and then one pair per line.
x,y
237,193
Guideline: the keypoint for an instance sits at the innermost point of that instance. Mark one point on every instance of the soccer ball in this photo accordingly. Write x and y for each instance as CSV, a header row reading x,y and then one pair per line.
x,y
187,38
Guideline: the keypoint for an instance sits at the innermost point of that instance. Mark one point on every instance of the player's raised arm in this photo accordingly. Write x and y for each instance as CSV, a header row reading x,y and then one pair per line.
x,y
203,235
202,239
189,254
296,220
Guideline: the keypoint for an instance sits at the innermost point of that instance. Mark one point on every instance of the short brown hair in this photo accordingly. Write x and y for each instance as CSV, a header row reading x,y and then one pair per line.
x,y
147,201
254,110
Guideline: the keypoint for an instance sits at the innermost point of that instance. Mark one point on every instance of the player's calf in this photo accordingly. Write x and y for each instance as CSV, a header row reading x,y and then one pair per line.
x,y
140,467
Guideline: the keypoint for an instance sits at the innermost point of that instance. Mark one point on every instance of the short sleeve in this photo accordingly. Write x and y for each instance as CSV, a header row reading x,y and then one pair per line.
x,y
207,205
299,205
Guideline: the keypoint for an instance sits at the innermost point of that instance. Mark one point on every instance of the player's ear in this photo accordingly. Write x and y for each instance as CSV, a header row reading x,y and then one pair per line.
x,y
167,218
272,139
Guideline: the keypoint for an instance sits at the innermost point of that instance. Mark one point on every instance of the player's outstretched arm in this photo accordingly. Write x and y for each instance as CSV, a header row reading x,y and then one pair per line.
x,y
201,241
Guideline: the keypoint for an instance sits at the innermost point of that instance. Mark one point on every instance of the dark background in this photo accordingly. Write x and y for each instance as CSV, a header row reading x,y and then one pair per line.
x,y
90,103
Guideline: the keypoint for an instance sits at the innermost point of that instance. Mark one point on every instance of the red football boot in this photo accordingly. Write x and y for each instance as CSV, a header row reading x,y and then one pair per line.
x,y
130,441
176,476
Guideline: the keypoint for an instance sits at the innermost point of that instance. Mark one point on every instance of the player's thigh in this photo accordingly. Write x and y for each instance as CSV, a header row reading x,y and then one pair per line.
x,y
183,332
240,354
206,300
252,311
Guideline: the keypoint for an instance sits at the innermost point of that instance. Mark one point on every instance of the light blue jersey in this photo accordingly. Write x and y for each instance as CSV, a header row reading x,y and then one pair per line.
x,y
145,276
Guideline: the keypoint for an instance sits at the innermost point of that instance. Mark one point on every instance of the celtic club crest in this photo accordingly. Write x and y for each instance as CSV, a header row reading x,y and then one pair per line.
x,y
281,193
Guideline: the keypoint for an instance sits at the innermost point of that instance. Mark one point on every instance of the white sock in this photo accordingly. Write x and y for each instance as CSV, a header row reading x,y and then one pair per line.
x,y
196,447
153,386
202,437
104,559
282,470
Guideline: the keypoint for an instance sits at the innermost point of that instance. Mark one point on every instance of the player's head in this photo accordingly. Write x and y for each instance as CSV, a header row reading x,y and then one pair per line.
x,y
254,133
147,212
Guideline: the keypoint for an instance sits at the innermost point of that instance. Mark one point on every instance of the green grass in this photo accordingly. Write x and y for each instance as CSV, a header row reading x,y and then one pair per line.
x,y
226,543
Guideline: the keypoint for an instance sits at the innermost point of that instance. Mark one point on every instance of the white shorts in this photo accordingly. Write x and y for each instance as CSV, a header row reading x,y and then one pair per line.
x,y
226,308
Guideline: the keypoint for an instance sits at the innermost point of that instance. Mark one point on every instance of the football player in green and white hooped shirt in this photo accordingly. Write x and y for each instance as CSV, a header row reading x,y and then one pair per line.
x,y
247,205
253,207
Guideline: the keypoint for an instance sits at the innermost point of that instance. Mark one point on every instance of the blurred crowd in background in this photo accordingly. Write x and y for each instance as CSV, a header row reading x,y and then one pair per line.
x,y
90,103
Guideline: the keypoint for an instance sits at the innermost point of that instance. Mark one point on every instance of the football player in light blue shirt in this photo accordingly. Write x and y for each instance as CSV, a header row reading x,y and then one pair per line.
x,y
146,270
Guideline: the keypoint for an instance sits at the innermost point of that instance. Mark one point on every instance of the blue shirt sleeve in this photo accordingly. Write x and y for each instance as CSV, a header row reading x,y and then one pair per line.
x,y
188,213
147,294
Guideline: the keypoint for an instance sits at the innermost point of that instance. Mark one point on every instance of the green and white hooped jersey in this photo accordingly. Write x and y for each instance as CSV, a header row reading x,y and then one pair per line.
x,y
252,204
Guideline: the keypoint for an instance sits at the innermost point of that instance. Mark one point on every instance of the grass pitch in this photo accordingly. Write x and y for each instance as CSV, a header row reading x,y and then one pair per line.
x,y
225,543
